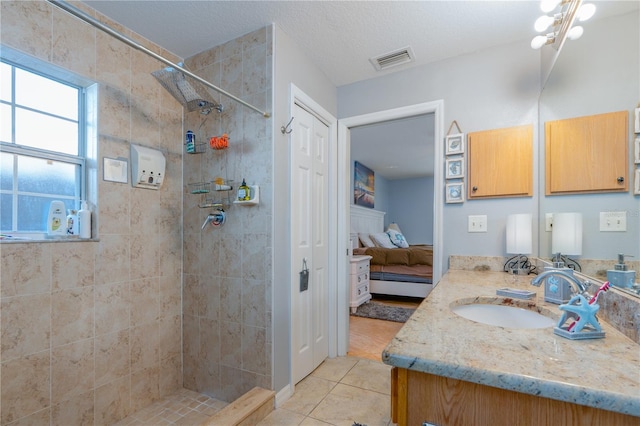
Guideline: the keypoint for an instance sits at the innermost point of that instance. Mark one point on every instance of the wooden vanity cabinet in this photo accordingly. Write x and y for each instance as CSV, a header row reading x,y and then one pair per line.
x,y
587,154
501,163
420,397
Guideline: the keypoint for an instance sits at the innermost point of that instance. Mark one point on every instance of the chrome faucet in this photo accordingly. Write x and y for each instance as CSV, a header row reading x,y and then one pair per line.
x,y
579,287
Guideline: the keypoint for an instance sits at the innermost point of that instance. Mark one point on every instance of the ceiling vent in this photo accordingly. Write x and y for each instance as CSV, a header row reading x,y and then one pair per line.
x,y
392,59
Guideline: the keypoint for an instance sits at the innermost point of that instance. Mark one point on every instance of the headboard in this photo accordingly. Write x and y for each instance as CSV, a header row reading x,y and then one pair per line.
x,y
366,221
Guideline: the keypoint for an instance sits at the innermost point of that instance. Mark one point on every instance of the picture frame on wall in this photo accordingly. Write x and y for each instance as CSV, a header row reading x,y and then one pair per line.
x,y
636,184
363,186
636,151
454,168
454,192
454,144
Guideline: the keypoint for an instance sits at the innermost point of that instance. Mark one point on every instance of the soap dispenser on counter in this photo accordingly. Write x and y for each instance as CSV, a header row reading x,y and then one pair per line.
x,y
620,275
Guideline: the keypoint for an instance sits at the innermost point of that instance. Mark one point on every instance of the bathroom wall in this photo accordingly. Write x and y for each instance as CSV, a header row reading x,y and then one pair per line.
x,y
91,331
228,269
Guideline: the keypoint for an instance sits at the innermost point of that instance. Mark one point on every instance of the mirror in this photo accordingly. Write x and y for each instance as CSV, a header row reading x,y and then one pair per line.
x,y
595,74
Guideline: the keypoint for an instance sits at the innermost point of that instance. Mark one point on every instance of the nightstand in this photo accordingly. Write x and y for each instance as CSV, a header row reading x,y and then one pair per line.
x,y
359,277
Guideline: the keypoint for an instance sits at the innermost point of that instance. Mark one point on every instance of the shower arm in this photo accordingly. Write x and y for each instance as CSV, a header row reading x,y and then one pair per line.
x,y
88,19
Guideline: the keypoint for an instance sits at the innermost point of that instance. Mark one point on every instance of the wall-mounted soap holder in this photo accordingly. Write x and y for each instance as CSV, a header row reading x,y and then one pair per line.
x,y
255,197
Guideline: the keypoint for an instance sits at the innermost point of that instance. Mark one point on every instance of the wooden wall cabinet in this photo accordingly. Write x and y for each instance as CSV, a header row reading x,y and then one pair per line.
x,y
587,154
501,163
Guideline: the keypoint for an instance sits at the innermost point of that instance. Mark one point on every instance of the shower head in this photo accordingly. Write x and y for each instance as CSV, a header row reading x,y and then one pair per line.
x,y
190,93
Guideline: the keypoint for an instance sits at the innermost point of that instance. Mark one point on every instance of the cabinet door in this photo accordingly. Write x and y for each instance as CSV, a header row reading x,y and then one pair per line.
x,y
501,162
587,154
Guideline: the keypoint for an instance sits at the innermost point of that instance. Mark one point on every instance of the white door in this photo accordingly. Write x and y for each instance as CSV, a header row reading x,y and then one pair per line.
x,y
309,234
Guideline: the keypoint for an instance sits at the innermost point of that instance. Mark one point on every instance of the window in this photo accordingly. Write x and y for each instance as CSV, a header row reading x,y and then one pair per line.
x,y
42,146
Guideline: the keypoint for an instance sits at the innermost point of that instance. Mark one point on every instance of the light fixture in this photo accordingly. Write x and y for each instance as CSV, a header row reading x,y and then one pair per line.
x,y
566,235
519,241
561,22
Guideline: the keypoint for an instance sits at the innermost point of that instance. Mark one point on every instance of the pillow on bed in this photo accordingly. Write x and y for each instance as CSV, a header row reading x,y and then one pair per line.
x,y
397,238
382,240
366,240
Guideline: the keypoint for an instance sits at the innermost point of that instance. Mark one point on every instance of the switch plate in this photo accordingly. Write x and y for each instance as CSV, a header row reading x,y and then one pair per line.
x,y
548,222
613,221
478,223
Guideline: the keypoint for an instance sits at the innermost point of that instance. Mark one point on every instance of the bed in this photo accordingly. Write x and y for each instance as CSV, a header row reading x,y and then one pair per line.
x,y
393,271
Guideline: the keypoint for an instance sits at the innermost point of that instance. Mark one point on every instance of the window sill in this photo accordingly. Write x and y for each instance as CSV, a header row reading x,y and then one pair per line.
x,y
4,239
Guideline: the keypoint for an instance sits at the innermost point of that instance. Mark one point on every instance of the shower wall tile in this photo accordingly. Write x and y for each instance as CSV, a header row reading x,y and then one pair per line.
x,y
70,49
72,314
83,321
33,36
72,265
227,348
25,386
72,370
25,269
75,411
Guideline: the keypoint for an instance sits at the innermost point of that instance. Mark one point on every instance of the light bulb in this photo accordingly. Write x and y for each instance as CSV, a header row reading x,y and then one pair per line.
x,y
575,33
586,11
539,41
542,23
548,5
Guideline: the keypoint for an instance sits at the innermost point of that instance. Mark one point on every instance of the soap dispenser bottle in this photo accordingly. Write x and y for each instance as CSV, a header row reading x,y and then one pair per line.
x,y
84,219
620,275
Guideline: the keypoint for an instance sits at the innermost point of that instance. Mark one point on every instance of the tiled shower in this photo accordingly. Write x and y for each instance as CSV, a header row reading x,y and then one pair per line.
x,y
93,331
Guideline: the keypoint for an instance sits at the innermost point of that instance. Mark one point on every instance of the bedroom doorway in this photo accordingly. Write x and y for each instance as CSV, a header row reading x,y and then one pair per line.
x,y
345,194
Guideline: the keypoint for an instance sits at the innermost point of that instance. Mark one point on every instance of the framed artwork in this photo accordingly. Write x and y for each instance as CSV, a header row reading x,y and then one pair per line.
x,y
454,144
636,151
363,186
454,192
115,170
637,120
455,168
636,185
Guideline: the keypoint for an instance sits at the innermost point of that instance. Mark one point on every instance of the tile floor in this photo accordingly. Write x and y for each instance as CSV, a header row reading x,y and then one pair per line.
x,y
339,392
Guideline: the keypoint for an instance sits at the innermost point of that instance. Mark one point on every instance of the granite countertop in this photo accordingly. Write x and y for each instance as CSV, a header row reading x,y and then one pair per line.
x,y
601,373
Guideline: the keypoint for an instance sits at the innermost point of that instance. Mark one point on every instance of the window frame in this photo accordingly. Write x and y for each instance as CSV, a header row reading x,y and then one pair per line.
x,y
80,160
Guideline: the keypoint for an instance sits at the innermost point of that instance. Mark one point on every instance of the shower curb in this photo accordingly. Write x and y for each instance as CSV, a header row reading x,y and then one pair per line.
x,y
247,410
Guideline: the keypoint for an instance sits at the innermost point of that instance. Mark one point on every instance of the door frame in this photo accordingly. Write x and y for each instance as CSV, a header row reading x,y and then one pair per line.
x,y
344,191
298,97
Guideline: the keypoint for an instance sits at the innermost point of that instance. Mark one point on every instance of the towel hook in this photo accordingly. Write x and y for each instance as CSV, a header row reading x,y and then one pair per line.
x,y
284,130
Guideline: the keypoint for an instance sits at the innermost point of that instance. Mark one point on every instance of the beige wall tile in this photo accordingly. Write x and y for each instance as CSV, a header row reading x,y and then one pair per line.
x,y
112,259
76,411
33,35
70,47
112,401
112,357
145,347
26,321
72,370
144,300
72,265
112,307
72,315
145,387
25,386
25,269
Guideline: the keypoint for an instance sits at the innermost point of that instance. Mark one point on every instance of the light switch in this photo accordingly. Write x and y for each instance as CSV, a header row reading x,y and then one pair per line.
x,y
613,221
478,223
548,222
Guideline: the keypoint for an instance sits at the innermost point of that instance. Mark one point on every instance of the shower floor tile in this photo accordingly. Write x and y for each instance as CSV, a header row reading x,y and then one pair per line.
x,y
184,407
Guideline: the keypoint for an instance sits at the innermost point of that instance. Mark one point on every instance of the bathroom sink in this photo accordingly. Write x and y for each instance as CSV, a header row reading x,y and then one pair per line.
x,y
503,313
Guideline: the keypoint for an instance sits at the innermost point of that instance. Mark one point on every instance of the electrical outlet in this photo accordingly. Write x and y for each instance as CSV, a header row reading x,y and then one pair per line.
x,y
478,223
548,222
613,221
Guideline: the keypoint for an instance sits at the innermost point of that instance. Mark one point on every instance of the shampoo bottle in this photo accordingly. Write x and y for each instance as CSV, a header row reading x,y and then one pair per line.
x,y
244,192
57,219
84,221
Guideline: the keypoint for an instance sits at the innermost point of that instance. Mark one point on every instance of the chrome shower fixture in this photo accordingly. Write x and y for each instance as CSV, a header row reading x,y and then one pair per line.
x,y
190,93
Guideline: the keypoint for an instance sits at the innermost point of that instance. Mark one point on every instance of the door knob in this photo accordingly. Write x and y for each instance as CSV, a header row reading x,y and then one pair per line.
x,y
474,189
620,179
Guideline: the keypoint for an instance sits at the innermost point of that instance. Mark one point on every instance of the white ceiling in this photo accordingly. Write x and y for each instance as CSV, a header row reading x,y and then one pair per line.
x,y
341,36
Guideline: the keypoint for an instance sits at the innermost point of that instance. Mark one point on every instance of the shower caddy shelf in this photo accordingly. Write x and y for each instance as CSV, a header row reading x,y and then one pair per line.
x,y
200,188
255,197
